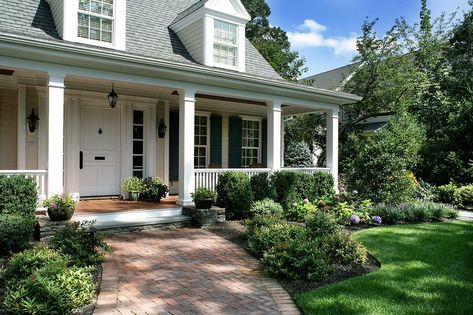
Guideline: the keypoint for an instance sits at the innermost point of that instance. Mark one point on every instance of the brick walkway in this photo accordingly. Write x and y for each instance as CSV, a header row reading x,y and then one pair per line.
x,y
186,271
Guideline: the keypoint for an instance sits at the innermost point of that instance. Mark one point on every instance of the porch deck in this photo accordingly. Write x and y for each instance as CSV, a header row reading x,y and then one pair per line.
x,y
99,206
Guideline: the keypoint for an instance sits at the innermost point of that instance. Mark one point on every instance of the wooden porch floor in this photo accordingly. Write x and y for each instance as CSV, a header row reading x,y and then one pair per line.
x,y
118,205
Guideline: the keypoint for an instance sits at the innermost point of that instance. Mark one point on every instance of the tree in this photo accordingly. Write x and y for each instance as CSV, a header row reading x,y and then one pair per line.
x,y
272,42
298,154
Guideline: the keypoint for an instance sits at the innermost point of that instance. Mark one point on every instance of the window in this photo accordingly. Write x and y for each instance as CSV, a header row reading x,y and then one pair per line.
x,y
96,20
201,130
251,136
225,43
138,143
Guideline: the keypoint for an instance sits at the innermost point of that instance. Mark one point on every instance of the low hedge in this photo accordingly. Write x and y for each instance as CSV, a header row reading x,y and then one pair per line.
x,y
463,197
425,211
266,207
234,194
16,232
18,194
262,187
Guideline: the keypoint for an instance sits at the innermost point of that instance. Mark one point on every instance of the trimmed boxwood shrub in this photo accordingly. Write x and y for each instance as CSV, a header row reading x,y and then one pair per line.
x,y
18,194
321,223
234,194
262,187
16,232
340,248
266,206
445,193
463,197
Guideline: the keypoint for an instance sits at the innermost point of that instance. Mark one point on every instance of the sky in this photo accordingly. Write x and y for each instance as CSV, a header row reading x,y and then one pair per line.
x,y
325,31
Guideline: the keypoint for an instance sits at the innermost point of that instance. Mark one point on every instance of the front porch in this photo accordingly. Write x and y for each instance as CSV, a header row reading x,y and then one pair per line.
x,y
83,147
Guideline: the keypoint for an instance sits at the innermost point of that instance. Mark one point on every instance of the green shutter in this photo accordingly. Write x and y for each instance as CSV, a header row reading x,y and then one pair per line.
x,y
264,142
234,142
173,145
216,140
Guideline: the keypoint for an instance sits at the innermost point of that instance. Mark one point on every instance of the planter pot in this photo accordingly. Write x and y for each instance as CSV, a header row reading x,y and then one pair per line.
x,y
204,204
133,195
54,215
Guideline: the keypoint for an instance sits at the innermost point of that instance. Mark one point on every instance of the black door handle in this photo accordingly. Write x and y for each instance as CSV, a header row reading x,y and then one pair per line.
x,y
81,160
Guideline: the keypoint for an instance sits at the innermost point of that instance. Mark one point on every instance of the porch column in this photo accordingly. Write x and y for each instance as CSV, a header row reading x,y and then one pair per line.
x,y
21,130
55,134
332,144
186,146
274,135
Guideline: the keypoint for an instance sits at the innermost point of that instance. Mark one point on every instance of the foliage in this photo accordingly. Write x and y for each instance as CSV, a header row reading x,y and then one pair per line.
x,y
299,210
297,259
445,193
377,166
266,207
343,249
18,194
60,207
344,205
262,186
272,42
463,197
297,154
153,188
79,241
132,184
16,232
422,211
204,198
321,223
234,194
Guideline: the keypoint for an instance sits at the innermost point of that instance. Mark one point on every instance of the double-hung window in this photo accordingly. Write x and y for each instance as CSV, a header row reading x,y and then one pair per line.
x,y
95,20
225,43
251,142
201,148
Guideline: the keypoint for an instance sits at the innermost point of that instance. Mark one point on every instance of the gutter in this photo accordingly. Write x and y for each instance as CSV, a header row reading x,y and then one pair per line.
x,y
188,71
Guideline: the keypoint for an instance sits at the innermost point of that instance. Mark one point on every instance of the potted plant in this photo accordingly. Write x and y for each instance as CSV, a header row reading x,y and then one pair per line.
x,y
133,186
204,198
60,207
154,189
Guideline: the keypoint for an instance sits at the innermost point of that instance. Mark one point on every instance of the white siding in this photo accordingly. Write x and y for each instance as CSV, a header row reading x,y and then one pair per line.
x,y
57,9
8,128
193,39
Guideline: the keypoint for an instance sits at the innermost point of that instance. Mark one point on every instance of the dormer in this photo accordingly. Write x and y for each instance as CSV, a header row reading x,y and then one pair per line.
x,y
213,31
94,22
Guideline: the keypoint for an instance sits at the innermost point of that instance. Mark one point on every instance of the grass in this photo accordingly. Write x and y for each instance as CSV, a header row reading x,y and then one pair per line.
x,y
425,269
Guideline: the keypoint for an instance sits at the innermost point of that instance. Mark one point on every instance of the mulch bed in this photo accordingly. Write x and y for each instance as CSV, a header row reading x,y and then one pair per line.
x,y
234,230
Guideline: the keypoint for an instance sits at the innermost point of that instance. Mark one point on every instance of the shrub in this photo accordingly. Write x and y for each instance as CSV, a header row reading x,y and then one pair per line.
x,y
262,187
18,194
204,198
321,223
234,194
79,241
267,233
445,193
132,184
153,188
16,232
342,249
60,207
415,212
297,154
297,258
463,197
265,207
298,211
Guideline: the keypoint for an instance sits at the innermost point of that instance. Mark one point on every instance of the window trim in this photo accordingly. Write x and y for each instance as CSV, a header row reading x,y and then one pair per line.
x,y
260,138
235,46
207,155
94,41
144,154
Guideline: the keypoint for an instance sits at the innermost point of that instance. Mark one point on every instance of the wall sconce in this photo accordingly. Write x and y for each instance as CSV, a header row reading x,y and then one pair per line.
x,y
32,120
112,98
162,129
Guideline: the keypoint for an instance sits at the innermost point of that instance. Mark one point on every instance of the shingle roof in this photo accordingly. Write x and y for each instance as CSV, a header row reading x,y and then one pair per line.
x,y
189,10
148,33
333,79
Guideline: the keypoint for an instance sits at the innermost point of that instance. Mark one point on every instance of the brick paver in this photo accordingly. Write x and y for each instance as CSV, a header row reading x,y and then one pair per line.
x,y
186,271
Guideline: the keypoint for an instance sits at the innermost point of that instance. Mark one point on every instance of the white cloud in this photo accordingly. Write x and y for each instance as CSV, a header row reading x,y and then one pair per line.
x,y
310,34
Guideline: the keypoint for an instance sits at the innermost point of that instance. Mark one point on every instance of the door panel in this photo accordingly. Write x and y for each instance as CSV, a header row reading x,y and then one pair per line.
x,y
99,144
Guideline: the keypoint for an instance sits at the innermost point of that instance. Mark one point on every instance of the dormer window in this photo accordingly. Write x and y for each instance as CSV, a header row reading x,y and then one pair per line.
x,y
95,20
225,43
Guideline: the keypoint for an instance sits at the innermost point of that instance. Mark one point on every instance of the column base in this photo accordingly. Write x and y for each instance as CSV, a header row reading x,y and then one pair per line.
x,y
184,203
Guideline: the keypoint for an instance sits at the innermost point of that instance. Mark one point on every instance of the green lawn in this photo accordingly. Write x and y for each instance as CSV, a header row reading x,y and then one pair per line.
x,y
425,269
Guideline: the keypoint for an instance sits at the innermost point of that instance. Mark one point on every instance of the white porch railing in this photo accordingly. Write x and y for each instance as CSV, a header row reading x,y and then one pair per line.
x,y
38,176
208,178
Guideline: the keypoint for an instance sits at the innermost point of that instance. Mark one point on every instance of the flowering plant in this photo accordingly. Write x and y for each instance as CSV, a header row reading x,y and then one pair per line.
x,y
377,219
60,207
354,219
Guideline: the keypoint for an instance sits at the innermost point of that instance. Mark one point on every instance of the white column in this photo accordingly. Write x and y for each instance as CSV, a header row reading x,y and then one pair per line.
x,y
55,134
332,144
166,143
274,135
21,129
282,141
186,146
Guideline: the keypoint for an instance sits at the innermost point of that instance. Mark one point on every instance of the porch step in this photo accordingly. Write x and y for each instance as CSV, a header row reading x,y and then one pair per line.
x,y
136,220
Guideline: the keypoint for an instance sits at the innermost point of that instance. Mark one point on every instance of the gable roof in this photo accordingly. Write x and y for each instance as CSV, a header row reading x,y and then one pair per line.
x,y
148,33
334,79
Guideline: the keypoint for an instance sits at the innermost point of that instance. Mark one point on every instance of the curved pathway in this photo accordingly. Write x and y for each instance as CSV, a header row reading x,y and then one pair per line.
x,y
186,271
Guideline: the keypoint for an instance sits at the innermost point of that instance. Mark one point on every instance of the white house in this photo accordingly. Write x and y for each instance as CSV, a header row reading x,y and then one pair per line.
x,y
182,64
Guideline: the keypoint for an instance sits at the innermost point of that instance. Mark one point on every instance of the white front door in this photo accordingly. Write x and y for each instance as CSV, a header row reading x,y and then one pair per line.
x,y
99,164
